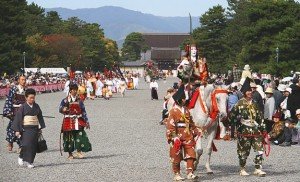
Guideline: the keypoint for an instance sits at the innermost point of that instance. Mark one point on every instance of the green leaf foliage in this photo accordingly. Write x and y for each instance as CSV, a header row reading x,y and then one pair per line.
x,y
49,41
249,33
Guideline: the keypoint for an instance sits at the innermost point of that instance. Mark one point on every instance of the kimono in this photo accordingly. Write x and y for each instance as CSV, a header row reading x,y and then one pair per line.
x,y
15,98
122,87
135,82
154,87
99,88
28,120
180,125
89,89
251,129
66,88
74,136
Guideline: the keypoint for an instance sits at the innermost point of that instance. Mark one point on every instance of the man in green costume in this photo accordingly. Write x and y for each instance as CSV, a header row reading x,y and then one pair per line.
x,y
75,120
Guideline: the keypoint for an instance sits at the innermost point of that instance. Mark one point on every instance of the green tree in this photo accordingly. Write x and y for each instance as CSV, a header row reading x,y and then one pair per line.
x,y
53,23
209,37
256,28
12,39
133,45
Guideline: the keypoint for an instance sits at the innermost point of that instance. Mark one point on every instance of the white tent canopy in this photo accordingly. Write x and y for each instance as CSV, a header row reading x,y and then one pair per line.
x,y
47,70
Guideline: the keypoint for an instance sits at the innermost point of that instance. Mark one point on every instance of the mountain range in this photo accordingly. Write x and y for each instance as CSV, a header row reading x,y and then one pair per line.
x,y
118,22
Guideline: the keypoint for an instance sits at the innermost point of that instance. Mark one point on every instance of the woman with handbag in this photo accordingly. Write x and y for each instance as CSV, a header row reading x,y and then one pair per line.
x,y
74,122
27,124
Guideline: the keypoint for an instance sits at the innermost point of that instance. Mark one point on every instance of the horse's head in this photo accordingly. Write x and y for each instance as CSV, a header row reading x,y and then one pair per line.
x,y
221,97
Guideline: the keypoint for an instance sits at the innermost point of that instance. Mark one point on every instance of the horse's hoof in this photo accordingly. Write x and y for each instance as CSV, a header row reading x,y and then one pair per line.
x,y
210,172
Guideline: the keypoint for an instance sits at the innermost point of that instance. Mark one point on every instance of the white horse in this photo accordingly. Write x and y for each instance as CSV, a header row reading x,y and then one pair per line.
x,y
201,115
209,110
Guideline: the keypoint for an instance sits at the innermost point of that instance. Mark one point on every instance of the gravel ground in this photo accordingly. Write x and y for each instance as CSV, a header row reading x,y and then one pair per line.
x,y
129,145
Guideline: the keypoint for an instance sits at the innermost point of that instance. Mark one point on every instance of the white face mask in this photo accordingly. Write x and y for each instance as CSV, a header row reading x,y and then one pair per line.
x,y
193,51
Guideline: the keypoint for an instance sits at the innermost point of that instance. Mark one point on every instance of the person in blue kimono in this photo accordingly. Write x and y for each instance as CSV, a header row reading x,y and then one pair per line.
x,y
14,99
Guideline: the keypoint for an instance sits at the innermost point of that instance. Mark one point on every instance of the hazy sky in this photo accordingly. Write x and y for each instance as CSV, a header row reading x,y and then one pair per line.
x,y
156,7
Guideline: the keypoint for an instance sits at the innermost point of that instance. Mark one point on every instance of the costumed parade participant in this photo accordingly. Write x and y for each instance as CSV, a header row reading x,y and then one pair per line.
x,y
130,84
89,88
66,88
82,92
93,81
27,124
122,87
74,122
192,71
181,131
15,98
135,81
99,86
154,88
251,130
105,92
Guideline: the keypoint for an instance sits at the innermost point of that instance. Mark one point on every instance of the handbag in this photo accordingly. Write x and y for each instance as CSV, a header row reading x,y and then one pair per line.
x,y
42,145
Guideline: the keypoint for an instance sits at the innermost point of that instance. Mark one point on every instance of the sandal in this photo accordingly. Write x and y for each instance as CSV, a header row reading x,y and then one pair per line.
x,y
79,155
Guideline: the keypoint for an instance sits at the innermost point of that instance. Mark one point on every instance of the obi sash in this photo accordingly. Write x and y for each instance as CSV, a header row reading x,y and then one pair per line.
x,y
30,120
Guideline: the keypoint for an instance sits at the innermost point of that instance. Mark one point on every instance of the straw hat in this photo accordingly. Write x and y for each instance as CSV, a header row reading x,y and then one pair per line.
x,y
269,90
247,67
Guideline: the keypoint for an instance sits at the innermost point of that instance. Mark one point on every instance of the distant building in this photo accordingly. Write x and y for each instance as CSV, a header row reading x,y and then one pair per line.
x,y
136,67
164,48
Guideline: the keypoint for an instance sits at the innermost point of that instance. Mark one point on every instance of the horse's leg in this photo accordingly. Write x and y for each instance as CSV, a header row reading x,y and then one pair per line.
x,y
212,134
199,152
222,130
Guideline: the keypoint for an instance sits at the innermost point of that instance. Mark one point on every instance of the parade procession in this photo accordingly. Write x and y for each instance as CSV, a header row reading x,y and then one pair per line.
x,y
115,94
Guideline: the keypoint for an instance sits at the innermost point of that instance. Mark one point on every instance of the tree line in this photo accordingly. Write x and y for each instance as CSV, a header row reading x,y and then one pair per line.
x,y
264,34
45,40
254,32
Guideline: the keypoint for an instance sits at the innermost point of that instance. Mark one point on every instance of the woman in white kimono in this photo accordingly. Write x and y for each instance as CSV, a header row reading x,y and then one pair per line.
x,y
89,89
122,87
66,89
99,85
